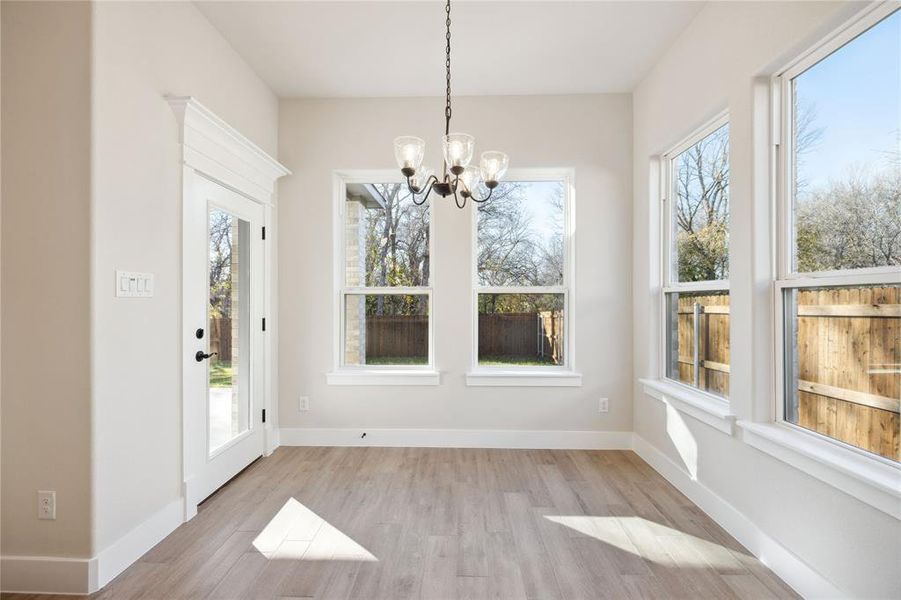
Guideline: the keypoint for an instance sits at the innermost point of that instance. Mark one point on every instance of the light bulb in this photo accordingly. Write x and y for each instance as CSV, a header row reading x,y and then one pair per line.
x,y
493,166
420,180
458,149
409,151
470,179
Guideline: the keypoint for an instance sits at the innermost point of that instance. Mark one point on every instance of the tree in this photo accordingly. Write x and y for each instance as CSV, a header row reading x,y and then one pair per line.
x,y
220,274
850,224
396,249
702,209
513,250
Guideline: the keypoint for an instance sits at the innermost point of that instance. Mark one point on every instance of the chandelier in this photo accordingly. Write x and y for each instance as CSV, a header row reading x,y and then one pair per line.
x,y
458,177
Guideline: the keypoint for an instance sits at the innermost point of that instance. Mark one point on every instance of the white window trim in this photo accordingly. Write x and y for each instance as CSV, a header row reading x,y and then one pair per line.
x,y
715,406
552,376
704,407
342,374
868,477
832,462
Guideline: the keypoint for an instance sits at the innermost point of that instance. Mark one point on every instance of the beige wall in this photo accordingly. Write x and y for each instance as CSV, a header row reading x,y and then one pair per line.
x,y
711,67
141,52
46,388
93,186
590,133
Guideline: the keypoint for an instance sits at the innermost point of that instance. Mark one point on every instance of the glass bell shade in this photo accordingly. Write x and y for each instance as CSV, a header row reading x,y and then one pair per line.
x,y
420,179
493,165
409,151
470,178
458,149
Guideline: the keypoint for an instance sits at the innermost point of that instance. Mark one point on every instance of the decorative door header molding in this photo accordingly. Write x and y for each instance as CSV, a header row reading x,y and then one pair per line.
x,y
213,147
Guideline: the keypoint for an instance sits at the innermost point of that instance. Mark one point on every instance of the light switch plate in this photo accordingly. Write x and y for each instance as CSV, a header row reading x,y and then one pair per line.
x,y
130,284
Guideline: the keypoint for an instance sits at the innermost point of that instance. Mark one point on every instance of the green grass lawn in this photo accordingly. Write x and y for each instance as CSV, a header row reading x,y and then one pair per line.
x,y
397,360
488,361
519,361
221,374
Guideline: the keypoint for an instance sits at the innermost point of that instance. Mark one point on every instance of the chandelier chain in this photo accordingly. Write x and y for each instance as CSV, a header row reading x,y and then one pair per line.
x,y
447,64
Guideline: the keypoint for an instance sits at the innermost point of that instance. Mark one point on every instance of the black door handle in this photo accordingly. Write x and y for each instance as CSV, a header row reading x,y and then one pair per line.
x,y
201,355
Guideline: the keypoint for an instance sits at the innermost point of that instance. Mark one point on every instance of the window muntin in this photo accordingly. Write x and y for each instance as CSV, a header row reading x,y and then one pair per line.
x,y
521,276
840,239
846,155
696,286
385,317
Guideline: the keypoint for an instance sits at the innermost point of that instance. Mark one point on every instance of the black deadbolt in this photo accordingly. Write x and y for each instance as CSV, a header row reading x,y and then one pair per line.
x,y
199,333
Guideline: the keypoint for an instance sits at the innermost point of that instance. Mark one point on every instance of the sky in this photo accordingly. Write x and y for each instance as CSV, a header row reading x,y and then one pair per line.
x,y
546,220
856,96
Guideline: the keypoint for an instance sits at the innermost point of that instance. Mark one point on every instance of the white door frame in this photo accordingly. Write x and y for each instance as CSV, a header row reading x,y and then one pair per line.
x,y
212,149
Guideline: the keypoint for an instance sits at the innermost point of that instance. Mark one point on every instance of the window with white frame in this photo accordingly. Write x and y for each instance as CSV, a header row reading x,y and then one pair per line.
x,y
838,291
696,262
522,278
385,290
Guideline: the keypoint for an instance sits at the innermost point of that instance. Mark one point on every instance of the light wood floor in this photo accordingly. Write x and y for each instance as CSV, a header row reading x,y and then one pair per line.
x,y
395,523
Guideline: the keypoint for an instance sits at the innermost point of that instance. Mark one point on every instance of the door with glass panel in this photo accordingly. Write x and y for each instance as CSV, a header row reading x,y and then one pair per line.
x,y
227,354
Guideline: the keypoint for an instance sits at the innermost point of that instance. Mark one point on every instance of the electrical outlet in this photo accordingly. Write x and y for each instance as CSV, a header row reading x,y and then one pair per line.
x,y
46,505
603,405
304,403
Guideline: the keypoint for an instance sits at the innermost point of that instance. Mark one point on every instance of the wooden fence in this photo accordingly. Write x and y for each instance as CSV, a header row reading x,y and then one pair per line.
x,y
713,342
848,361
526,335
390,336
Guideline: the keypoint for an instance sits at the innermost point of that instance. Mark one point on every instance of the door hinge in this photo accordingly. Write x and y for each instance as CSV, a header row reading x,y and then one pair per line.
x,y
264,415
264,323
264,233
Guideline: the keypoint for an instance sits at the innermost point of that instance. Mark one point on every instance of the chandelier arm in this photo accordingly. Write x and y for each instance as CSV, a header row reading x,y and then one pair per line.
x,y
456,197
485,199
431,181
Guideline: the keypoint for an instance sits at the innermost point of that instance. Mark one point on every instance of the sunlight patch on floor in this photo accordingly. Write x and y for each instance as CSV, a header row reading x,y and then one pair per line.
x,y
650,540
297,533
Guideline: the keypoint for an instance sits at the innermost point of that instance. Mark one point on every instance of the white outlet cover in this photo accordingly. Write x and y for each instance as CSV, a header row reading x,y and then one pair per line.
x,y
304,403
46,505
604,405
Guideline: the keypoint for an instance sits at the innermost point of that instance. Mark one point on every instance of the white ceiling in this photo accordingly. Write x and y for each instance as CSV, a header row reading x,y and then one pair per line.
x,y
368,49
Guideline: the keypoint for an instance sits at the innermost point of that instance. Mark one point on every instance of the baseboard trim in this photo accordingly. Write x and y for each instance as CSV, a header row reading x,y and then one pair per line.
x,y
457,438
137,542
47,574
790,568
76,576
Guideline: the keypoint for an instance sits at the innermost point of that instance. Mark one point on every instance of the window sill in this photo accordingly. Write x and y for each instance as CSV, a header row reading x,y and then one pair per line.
x,y
383,377
508,378
695,403
867,479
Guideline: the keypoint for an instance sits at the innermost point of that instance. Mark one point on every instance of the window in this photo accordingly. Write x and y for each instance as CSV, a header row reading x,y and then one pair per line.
x,y
696,265
385,272
839,289
522,280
